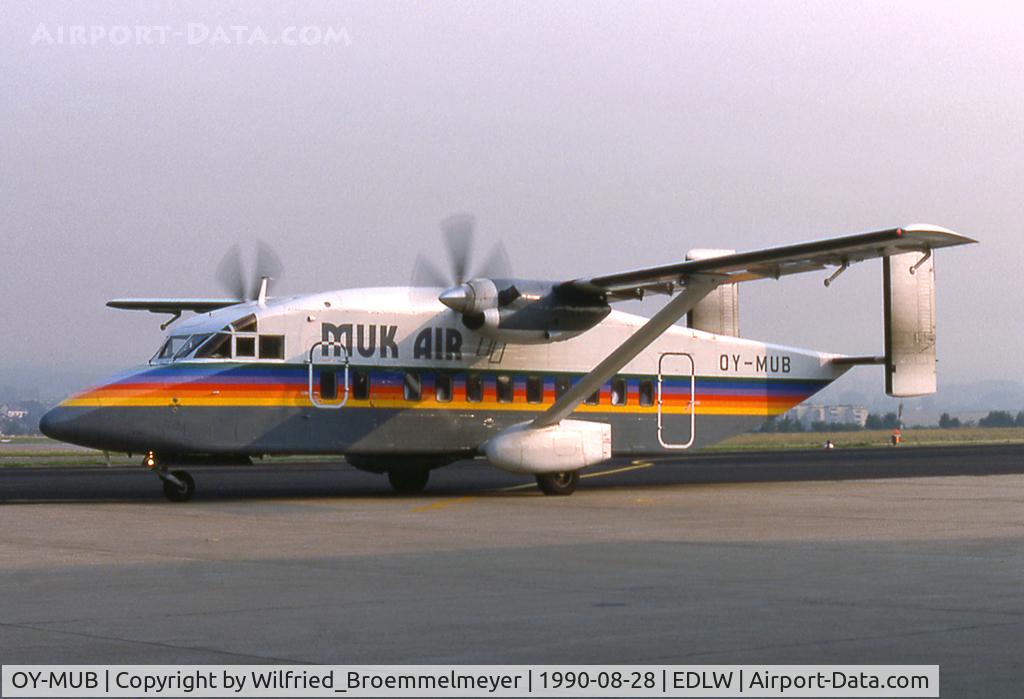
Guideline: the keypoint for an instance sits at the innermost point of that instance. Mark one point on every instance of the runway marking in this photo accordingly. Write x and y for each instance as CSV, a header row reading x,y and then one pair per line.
x,y
510,488
441,504
637,465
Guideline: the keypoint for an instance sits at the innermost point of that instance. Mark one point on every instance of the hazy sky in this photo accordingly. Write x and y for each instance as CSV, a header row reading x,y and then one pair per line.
x,y
590,137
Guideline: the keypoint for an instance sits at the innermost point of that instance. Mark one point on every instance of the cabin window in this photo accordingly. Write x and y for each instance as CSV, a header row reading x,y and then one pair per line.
x,y
271,346
474,388
619,395
245,325
217,347
360,385
328,384
646,393
245,346
534,389
412,389
443,388
594,398
505,390
562,384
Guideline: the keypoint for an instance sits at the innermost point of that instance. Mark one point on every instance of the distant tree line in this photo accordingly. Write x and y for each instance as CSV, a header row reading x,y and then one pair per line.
x,y
889,421
995,418
786,423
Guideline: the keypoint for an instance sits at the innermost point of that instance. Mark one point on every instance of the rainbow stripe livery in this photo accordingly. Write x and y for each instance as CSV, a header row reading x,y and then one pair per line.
x,y
284,386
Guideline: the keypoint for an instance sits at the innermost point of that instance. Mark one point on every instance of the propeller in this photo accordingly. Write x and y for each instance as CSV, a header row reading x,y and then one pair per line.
x,y
232,275
459,231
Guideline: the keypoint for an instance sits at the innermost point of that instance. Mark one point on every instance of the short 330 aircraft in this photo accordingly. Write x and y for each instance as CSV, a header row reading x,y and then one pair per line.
x,y
541,377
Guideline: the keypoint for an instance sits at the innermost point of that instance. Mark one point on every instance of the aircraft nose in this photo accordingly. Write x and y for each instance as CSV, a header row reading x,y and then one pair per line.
x,y
55,425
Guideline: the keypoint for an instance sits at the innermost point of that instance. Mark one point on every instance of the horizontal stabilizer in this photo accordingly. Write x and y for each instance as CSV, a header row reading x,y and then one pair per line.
x,y
858,361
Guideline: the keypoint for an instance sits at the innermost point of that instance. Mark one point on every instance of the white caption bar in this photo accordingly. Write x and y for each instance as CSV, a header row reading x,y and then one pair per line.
x,y
470,681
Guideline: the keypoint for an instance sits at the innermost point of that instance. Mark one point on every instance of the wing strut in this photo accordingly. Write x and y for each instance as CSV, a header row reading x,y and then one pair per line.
x,y
697,287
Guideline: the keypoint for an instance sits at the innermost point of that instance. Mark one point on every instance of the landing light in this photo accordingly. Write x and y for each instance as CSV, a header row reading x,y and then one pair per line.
x,y
150,460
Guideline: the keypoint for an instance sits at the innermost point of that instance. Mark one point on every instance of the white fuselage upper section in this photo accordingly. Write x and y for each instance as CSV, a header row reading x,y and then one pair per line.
x,y
409,327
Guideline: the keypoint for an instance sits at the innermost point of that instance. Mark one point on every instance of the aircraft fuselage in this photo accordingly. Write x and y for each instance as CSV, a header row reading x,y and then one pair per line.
x,y
419,383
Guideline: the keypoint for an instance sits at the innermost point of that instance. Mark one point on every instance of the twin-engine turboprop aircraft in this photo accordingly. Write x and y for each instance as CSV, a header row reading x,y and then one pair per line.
x,y
541,377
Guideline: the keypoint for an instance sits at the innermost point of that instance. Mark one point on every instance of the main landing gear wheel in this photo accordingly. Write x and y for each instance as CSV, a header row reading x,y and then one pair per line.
x,y
182,490
409,480
562,483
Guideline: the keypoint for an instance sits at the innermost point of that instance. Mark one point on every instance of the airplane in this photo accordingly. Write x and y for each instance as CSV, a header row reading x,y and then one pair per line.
x,y
542,378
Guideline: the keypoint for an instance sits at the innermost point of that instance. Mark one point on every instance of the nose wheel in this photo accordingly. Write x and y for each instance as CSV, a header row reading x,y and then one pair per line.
x,y
178,485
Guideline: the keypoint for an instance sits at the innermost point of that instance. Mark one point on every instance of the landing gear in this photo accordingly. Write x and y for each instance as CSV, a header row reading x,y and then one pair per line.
x,y
409,480
180,491
178,485
562,483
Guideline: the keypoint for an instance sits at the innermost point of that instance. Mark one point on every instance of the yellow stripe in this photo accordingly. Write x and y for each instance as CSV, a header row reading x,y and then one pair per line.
x,y
301,401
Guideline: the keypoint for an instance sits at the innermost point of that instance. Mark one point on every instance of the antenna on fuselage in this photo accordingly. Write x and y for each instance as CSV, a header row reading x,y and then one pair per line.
x,y
261,295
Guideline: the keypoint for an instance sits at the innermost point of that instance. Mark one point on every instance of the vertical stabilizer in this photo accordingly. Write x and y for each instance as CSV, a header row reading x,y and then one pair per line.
x,y
909,288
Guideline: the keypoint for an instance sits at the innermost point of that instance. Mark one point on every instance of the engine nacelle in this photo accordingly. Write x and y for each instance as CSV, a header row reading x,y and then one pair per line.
x,y
504,325
522,312
568,446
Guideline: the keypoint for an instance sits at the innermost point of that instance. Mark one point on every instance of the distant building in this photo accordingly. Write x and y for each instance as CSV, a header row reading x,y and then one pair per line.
x,y
806,414
12,413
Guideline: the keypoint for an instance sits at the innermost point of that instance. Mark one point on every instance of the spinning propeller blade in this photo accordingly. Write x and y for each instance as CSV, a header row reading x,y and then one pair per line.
x,y
459,231
232,275
458,235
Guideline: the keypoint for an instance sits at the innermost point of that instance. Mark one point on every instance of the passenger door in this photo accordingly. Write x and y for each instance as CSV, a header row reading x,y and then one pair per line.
x,y
676,396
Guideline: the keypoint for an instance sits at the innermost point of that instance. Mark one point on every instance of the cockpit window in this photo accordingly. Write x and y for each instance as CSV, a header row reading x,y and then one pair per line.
x,y
271,346
231,342
245,346
190,345
217,347
245,325
171,346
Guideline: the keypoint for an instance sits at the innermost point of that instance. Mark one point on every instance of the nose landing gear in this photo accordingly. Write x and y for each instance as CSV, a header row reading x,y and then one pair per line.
x,y
178,485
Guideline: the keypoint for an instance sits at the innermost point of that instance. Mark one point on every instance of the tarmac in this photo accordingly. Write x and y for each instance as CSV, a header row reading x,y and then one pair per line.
x,y
885,556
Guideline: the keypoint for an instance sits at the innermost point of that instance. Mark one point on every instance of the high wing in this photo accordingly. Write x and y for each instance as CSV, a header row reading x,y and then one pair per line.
x,y
770,263
698,278
173,306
